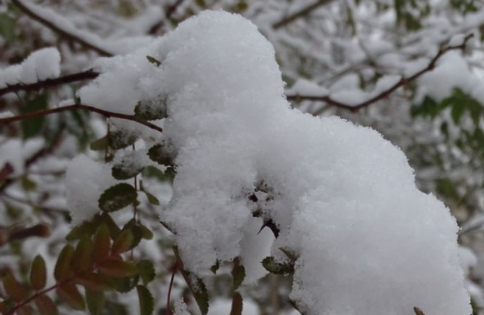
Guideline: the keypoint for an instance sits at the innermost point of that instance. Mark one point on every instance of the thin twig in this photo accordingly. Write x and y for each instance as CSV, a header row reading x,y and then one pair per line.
x,y
102,112
59,30
36,295
300,13
403,81
168,14
170,288
75,77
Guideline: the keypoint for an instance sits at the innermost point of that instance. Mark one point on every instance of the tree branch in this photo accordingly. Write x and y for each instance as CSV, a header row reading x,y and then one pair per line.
x,y
56,28
300,14
403,81
170,10
36,295
102,112
86,75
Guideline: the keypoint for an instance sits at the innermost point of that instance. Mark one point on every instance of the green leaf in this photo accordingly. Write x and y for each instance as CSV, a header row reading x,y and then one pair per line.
x,y
28,184
94,282
152,199
117,197
12,287
95,302
271,265
7,27
62,269
38,273
45,305
457,112
146,271
82,259
71,295
160,154
79,231
198,289
121,172
238,274
146,232
123,242
237,304
118,269
125,285
215,267
101,244
153,61
114,229
146,301
33,127
99,144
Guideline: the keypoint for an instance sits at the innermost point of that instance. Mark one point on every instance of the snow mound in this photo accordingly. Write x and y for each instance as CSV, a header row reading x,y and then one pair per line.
x,y
40,65
367,240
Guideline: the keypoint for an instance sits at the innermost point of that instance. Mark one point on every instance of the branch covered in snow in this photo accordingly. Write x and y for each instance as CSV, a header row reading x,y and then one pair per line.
x,y
49,83
105,113
402,82
62,26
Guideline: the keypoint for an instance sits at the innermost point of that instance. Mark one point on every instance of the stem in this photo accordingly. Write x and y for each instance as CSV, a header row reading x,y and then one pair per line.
x,y
75,77
168,299
36,295
102,112
403,81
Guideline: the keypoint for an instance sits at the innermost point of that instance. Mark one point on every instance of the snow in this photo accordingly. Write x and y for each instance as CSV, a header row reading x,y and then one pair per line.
x,y
40,65
223,307
367,240
306,87
86,180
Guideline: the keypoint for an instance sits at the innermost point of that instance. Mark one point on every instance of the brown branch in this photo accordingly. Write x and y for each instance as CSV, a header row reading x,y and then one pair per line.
x,y
403,81
170,10
170,288
36,295
300,14
102,112
75,77
59,30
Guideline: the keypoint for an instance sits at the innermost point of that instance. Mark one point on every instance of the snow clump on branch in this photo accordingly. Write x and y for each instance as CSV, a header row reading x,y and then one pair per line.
x,y
344,200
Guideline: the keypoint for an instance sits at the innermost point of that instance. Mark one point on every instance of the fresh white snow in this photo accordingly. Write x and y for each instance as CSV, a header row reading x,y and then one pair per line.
x,y
367,240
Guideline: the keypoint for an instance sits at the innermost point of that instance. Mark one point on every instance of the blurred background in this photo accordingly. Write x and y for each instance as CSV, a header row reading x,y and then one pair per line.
x,y
338,57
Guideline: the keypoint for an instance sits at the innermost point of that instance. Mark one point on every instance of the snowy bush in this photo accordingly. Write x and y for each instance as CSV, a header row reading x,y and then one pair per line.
x,y
250,184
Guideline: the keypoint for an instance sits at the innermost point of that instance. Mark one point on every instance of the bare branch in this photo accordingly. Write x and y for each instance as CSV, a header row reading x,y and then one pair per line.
x,y
86,75
102,112
403,81
56,28
300,13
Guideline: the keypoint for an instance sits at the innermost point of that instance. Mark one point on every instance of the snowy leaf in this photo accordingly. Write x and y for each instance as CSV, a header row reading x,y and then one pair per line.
x,y
275,267
117,197
153,61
